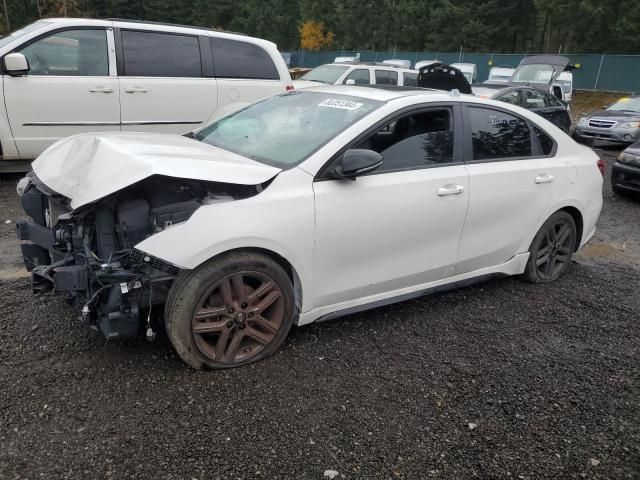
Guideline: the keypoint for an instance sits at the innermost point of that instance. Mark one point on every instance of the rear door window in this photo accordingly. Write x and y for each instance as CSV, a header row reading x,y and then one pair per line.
x,y
497,135
386,77
153,54
237,59
534,99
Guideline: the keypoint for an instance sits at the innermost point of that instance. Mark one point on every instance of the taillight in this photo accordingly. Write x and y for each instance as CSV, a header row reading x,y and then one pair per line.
x,y
600,164
290,87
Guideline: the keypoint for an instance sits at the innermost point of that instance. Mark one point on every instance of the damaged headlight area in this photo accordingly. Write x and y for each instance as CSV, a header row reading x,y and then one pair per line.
x,y
89,254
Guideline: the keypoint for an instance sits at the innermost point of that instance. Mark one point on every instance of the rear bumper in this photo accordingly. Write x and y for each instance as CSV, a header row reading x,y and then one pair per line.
x,y
625,177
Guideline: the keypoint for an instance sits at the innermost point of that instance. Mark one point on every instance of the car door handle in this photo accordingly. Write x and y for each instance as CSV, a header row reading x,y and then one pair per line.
x,y
136,90
101,89
450,190
544,178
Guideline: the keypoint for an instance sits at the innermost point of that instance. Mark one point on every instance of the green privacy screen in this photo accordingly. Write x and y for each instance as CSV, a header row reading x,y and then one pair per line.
x,y
616,73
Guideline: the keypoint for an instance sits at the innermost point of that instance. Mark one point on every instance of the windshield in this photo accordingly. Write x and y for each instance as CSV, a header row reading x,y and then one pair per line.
x,y
22,32
534,73
630,104
328,74
283,131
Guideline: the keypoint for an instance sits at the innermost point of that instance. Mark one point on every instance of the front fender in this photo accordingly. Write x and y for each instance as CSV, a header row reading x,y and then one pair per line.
x,y
280,219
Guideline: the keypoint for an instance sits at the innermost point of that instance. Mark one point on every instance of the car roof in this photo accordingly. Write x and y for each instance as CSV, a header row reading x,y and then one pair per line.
x,y
161,26
379,92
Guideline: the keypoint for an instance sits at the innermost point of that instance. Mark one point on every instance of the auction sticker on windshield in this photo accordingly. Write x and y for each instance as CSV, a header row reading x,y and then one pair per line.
x,y
340,104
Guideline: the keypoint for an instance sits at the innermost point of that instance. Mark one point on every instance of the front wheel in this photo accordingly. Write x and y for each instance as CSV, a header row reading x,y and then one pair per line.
x,y
552,249
233,310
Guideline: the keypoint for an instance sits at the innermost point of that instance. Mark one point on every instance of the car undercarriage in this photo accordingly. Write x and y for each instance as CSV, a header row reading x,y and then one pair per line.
x,y
89,254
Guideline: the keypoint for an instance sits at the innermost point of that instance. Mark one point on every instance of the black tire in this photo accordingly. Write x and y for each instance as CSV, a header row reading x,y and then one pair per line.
x,y
213,319
617,190
552,249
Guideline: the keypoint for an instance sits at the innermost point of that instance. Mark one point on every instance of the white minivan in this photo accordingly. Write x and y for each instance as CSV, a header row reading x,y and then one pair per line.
x,y
73,75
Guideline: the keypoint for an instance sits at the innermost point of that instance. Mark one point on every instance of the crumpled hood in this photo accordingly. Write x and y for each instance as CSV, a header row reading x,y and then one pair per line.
x,y
87,167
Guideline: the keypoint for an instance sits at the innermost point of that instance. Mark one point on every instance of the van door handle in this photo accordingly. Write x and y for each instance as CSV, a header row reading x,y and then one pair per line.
x,y
101,89
544,178
450,190
136,90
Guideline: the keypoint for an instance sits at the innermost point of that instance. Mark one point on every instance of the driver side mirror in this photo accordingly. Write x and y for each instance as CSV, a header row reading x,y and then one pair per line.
x,y
16,64
350,81
357,162
557,91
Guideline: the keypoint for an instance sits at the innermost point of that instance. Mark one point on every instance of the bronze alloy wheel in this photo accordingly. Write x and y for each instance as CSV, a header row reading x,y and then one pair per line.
x,y
238,317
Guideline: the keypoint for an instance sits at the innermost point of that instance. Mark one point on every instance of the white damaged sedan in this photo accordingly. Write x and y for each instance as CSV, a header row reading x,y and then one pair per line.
x,y
306,206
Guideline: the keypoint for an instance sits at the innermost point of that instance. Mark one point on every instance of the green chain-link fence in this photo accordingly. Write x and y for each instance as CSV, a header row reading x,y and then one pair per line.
x,y
617,73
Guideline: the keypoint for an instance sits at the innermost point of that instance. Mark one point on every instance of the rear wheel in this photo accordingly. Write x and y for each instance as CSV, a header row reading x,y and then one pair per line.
x,y
552,249
233,310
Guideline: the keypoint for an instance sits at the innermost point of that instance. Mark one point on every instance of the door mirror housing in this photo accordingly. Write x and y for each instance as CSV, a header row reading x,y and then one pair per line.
x,y
16,64
350,81
357,162
557,91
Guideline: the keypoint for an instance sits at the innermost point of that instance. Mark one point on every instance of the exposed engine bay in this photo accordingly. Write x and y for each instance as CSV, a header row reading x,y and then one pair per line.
x,y
89,253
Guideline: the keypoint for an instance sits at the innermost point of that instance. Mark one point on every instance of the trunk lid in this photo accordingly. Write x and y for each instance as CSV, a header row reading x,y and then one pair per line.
x,y
440,76
88,167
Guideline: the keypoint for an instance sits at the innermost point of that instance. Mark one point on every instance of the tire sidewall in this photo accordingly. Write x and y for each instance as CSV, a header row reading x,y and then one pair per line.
x,y
531,271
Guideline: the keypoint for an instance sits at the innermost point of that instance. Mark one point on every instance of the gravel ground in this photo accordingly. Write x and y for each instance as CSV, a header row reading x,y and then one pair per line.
x,y
501,380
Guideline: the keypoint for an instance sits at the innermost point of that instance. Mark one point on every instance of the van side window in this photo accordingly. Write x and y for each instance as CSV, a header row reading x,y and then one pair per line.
x,y
69,53
152,54
238,59
410,79
497,135
417,140
386,77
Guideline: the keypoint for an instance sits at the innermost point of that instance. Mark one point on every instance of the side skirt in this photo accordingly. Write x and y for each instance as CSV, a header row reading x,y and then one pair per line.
x,y
515,266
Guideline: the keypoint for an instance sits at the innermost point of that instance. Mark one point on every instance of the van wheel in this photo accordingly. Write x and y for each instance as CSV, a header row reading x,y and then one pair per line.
x,y
552,249
233,310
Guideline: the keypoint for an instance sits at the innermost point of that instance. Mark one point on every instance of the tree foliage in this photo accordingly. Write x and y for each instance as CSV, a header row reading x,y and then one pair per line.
x,y
438,25
314,37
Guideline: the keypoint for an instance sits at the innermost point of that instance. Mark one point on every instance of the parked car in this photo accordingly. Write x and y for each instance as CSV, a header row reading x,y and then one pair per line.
x,y
72,75
356,73
398,62
499,75
347,59
306,206
565,80
424,63
469,70
539,101
625,174
447,77
617,124
543,72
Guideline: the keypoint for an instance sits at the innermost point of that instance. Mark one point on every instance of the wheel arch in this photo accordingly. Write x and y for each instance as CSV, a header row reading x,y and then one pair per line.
x,y
286,265
579,221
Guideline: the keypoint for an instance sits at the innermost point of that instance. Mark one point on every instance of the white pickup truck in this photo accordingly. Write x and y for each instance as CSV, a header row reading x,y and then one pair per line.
x,y
72,75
